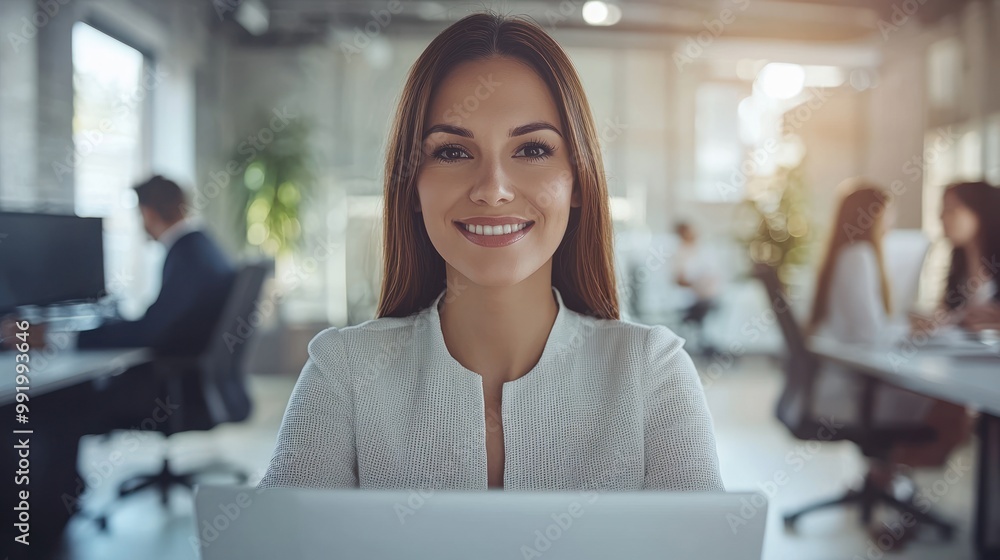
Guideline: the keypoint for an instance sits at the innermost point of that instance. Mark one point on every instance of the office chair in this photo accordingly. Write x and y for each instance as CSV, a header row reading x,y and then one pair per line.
x,y
795,410
210,388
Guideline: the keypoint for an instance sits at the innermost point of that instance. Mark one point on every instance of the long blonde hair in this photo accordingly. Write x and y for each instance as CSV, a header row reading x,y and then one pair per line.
x,y
859,218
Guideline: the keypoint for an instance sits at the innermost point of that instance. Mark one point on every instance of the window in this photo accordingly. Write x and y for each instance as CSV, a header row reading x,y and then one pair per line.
x,y
719,150
108,109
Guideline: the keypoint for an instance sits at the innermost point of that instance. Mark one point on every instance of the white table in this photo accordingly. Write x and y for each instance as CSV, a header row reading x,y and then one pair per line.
x,y
51,371
963,378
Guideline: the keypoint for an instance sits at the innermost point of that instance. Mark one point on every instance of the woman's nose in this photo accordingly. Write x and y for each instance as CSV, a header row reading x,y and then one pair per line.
x,y
492,183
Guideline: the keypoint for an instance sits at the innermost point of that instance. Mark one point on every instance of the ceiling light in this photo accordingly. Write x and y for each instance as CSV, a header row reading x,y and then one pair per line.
x,y
780,80
601,13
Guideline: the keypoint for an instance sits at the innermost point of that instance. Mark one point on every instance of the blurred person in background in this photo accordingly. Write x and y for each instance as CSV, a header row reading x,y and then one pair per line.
x,y
852,305
696,271
195,283
970,218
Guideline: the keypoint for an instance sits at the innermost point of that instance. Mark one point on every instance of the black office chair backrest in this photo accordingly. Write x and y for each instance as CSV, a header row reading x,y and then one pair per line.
x,y
794,407
222,374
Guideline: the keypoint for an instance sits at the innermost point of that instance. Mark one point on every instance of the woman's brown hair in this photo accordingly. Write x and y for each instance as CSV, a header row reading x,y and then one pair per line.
x,y
859,218
583,264
983,200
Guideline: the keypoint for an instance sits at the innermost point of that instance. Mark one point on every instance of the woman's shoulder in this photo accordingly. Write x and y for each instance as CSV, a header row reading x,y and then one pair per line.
x,y
371,334
652,336
638,343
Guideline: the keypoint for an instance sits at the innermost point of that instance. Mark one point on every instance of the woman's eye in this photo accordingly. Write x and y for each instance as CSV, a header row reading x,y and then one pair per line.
x,y
450,153
534,151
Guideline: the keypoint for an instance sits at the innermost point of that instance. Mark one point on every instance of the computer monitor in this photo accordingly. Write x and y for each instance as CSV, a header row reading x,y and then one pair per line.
x,y
46,258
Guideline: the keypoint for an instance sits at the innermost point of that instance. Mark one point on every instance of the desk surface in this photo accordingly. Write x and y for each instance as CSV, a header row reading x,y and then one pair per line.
x,y
66,367
965,379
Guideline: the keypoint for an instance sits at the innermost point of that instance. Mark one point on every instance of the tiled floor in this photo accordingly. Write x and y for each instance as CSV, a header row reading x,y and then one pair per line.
x,y
755,451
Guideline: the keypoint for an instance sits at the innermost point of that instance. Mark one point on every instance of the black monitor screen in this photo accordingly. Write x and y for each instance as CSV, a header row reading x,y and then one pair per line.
x,y
48,258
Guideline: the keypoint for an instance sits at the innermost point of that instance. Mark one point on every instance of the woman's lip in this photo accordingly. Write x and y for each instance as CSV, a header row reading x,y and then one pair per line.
x,y
494,240
529,222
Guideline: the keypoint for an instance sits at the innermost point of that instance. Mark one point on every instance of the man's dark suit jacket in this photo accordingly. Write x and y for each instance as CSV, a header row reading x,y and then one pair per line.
x,y
196,281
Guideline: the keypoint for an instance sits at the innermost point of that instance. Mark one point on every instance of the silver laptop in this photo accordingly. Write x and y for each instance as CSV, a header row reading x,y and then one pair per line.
x,y
240,523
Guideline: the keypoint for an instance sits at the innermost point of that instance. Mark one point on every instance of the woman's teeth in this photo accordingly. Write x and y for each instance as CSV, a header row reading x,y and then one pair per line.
x,y
495,230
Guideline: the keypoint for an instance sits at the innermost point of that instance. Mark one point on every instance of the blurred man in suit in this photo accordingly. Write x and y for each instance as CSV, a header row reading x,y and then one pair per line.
x,y
196,280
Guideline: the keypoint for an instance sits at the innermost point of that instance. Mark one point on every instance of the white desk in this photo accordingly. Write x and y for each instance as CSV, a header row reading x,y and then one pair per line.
x,y
963,379
63,368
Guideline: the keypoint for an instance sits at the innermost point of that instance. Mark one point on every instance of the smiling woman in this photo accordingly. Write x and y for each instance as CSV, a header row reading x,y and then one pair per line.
x,y
498,349
494,110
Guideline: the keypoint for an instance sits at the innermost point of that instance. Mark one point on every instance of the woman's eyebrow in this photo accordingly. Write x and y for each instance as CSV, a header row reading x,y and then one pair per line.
x,y
516,131
449,129
532,127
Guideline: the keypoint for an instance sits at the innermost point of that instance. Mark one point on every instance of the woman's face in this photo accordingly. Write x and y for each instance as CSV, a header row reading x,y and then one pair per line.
x,y
959,222
494,148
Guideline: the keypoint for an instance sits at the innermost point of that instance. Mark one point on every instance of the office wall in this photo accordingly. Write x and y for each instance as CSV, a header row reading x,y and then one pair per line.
x,y
18,106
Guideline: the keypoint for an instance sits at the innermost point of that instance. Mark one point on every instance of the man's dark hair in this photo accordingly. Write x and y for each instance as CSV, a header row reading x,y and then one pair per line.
x,y
164,196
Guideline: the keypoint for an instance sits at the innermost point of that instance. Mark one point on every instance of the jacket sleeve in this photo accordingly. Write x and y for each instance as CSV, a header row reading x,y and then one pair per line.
x,y
316,443
179,292
679,439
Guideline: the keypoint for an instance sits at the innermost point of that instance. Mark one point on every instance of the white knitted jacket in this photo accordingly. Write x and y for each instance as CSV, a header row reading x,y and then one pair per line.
x,y
610,405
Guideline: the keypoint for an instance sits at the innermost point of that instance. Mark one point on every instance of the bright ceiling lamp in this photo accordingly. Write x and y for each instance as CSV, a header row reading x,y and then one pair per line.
x,y
601,13
780,80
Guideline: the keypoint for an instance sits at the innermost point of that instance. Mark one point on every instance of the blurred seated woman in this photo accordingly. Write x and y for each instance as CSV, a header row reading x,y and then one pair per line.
x,y
852,305
970,218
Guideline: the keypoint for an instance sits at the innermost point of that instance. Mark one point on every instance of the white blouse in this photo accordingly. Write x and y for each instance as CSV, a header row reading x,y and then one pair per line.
x,y
856,315
856,311
610,405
